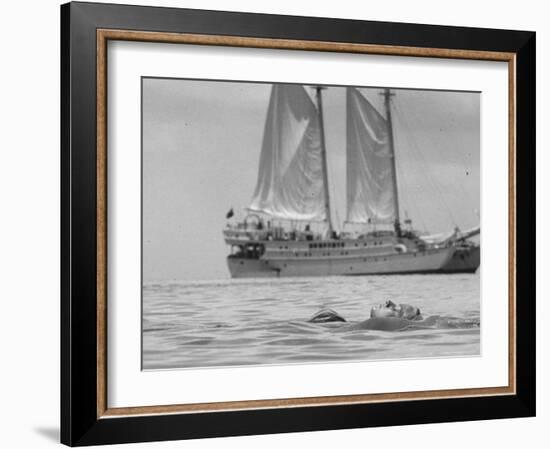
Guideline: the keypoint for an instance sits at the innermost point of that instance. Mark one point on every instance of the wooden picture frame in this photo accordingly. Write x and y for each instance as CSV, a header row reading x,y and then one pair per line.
x,y
85,417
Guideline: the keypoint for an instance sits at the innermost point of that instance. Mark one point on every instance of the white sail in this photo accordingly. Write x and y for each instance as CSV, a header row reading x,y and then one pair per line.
x,y
370,183
290,177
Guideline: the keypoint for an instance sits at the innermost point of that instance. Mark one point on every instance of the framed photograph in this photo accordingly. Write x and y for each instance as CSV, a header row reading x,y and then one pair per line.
x,y
279,224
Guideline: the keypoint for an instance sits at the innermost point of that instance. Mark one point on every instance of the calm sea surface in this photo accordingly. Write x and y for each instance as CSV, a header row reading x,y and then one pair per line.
x,y
257,321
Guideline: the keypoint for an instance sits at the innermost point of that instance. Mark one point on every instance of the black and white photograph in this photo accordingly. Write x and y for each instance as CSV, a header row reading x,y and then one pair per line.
x,y
291,224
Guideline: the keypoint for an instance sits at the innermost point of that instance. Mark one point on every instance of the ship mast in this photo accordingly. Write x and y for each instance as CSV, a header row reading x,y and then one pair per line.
x,y
318,90
397,224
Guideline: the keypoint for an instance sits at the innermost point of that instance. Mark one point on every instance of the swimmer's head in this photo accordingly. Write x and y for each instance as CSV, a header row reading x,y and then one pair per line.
x,y
391,310
386,310
410,312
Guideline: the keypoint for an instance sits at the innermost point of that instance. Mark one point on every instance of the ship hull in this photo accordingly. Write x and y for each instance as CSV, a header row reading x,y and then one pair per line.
x,y
464,260
438,260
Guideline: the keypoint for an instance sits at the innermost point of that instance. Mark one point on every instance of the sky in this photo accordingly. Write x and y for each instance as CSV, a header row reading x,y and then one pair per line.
x,y
201,149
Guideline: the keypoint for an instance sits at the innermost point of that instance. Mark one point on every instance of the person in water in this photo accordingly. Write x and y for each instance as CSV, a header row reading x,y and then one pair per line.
x,y
391,310
392,317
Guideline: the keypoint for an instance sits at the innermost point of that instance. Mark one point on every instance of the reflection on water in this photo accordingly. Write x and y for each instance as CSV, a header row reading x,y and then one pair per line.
x,y
259,321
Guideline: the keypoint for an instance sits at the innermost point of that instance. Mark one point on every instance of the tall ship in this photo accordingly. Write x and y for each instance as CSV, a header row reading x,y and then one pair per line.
x,y
289,230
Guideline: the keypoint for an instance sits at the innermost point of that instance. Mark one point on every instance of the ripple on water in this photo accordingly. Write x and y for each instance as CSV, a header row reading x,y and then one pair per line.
x,y
259,322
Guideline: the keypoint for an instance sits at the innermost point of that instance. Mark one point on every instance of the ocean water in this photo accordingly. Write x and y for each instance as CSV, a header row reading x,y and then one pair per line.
x,y
264,321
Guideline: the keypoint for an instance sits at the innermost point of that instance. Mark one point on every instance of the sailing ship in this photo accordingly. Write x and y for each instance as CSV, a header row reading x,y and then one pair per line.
x,y
276,238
